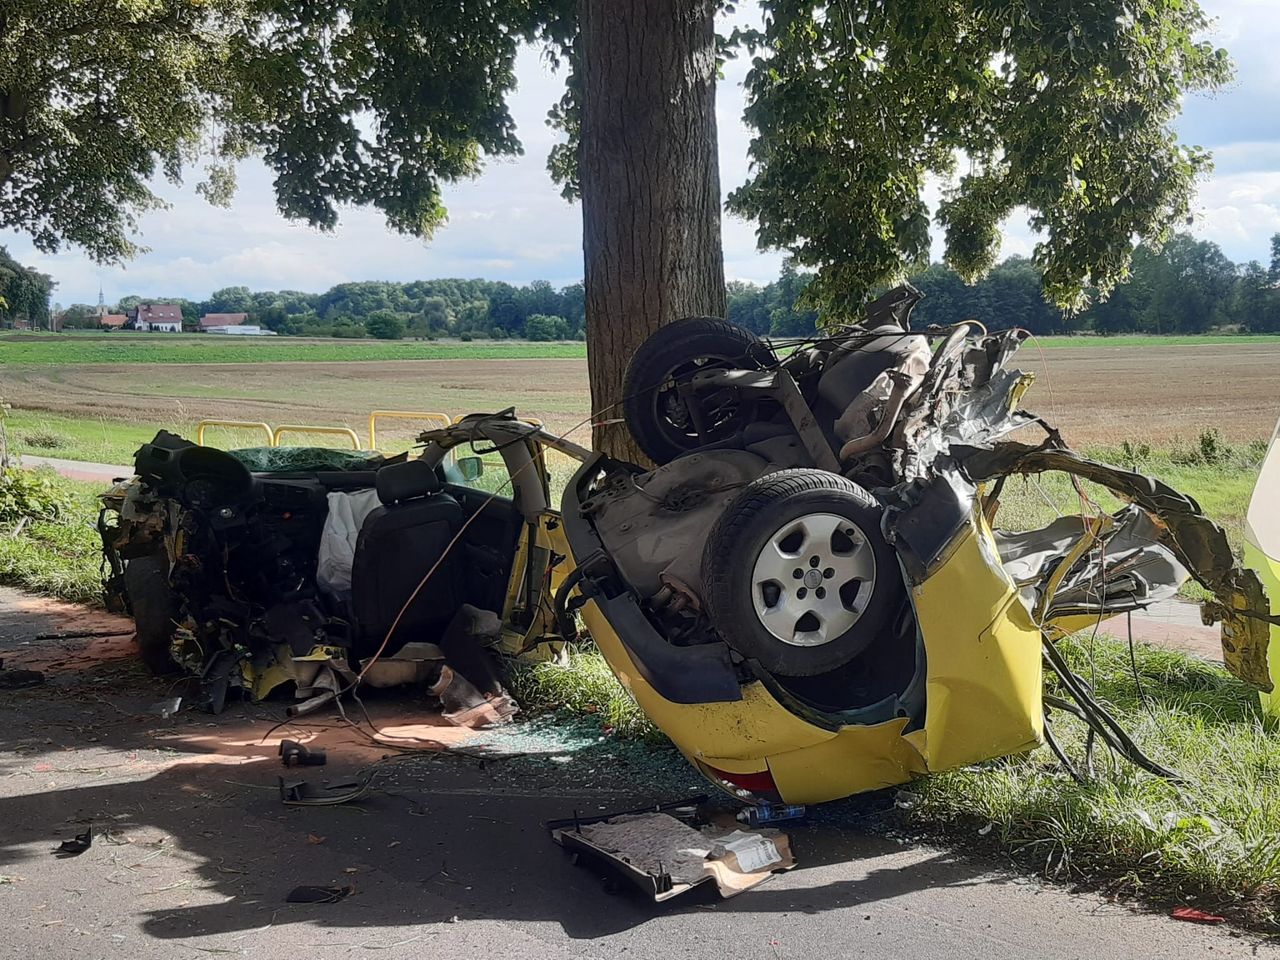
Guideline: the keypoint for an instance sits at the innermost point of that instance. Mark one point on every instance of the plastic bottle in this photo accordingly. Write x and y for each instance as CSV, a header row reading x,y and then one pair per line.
x,y
770,813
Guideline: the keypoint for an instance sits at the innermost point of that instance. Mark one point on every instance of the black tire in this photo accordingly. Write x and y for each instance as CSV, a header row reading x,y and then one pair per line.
x,y
154,609
655,415
776,508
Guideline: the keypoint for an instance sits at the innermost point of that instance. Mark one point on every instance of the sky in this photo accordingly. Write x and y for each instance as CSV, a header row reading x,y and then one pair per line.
x,y
511,223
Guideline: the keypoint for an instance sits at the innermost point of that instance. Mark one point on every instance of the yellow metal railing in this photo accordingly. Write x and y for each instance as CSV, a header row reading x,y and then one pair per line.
x,y
435,419
345,432
235,425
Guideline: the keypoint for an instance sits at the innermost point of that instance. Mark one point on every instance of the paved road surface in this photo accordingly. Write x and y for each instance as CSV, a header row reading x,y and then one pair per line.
x,y
194,854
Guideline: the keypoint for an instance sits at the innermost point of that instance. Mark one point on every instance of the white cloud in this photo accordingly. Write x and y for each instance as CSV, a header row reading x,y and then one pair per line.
x,y
511,223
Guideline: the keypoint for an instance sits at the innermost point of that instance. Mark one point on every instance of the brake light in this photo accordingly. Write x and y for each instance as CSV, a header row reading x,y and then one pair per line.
x,y
754,784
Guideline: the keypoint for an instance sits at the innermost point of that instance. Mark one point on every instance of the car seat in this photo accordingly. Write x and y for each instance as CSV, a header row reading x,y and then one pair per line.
x,y
399,542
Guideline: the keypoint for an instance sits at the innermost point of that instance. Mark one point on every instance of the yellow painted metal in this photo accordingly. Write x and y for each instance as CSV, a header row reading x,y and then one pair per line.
x,y
1268,569
855,760
550,536
435,420
236,425
748,729
345,432
983,694
983,687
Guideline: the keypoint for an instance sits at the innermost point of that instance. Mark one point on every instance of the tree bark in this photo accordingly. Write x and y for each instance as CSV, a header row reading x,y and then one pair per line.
x,y
650,184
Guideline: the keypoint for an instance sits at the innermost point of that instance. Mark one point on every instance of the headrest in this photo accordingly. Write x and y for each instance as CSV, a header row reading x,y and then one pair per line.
x,y
398,482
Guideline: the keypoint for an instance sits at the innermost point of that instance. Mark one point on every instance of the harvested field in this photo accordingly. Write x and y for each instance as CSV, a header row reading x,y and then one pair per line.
x,y
1099,394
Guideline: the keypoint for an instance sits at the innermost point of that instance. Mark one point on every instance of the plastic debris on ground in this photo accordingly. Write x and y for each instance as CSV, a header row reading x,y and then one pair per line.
x,y
665,855
73,848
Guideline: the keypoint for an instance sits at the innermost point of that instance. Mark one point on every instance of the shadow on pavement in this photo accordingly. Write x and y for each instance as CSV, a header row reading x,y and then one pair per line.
x,y
192,839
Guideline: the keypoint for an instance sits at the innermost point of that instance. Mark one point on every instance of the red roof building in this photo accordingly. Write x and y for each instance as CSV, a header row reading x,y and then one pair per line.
x,y
159,317
113,321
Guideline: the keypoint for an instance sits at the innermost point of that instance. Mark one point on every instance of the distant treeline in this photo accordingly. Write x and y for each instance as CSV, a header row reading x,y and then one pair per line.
x,y
1188,287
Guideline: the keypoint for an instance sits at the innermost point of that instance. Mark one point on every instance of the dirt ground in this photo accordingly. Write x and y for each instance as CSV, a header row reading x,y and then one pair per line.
x,y
1096,394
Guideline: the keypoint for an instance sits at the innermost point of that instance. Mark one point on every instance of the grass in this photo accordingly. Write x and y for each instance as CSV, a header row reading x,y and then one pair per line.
x,y
1210,839
1221,483
46,350
58,558
584,685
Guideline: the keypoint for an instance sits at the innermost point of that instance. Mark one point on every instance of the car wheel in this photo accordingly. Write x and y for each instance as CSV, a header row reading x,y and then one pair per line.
x,y
154,608
656,414
797,574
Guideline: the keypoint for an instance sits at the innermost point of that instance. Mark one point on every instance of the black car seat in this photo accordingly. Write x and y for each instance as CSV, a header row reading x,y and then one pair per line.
x,y
398,543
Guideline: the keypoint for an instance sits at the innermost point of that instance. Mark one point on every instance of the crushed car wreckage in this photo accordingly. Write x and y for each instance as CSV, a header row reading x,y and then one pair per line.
x,y
810,592
319,568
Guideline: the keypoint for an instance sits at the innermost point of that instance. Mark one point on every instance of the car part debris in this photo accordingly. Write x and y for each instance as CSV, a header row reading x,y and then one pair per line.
x,y
166,708
308,894
1193,915
256,574
663,856
75,847
770,813
301,793
1262,555
82,634
811,594
295,754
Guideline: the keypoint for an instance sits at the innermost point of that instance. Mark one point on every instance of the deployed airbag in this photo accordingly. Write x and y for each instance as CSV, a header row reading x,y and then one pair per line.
x,y
347,512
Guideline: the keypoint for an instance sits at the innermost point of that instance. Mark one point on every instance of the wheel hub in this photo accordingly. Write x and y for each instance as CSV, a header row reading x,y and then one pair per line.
x,y
813,579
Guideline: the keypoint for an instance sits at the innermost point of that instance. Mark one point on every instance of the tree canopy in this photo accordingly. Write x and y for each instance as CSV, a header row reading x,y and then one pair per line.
x,y
1063,107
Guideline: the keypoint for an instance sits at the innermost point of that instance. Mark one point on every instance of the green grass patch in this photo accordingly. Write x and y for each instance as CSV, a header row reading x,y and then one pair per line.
x,y
1210,839
202,348
56,558
1221,482
583,685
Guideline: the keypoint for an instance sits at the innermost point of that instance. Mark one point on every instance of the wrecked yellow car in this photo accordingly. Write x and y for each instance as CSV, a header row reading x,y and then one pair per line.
x,y
810,594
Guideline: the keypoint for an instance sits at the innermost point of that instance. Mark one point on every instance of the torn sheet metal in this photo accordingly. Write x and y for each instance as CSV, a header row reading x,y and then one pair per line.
x,y
1179,526
665,857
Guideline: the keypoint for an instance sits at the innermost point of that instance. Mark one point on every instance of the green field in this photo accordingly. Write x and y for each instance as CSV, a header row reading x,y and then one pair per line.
x,y
127,347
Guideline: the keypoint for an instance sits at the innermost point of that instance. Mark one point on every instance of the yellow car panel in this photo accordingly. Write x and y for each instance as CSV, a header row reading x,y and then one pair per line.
x,y
983,651
983,695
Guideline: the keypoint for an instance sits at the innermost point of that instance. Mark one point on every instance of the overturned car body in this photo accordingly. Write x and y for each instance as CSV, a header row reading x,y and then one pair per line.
x,y
810,594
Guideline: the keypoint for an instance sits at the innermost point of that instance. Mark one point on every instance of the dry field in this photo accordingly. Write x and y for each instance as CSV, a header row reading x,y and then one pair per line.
x,y
1098,394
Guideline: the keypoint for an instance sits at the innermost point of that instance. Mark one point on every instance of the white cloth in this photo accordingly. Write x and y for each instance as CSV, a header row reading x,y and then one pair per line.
x,y
347,512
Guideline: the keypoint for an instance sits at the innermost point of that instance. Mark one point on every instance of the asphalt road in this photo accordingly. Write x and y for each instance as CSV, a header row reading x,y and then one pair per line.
x,y
194,854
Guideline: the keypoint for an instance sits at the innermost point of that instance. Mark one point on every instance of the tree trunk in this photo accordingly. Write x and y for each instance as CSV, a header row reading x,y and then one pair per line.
x,y
650,185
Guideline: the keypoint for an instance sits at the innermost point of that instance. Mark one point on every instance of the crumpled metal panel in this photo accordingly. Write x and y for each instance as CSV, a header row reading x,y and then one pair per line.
x,y
1198,543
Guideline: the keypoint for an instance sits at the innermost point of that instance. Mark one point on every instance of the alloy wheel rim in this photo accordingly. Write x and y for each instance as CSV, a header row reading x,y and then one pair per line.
x,y
813,579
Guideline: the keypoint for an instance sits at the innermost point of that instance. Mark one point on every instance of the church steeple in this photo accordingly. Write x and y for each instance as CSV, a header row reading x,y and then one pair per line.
x,y
102,303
